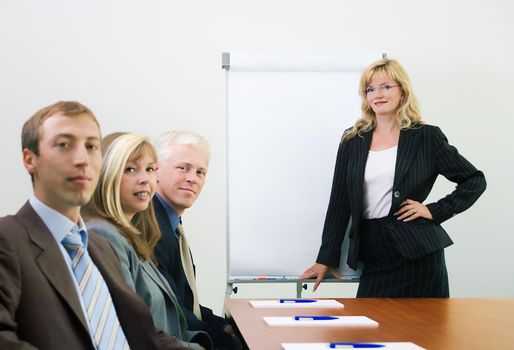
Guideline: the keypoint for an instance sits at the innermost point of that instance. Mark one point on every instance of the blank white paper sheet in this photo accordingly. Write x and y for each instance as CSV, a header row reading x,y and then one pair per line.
x,y
305,304
339,321
325,346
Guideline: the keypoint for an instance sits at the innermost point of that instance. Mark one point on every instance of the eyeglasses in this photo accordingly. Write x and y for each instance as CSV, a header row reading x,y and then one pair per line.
x,y
383,89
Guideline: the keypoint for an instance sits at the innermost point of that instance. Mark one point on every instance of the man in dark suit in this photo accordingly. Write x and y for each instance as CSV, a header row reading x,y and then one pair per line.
x,y
183,164
41,303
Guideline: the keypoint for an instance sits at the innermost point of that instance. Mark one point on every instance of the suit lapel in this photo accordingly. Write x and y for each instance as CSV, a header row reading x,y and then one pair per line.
x,y
169,234
359,152
165,288
407,147
153,275
162,217
50,260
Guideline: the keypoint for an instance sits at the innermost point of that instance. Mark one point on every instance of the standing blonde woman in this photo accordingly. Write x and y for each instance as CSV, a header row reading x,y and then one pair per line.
x,y
121,212
386,166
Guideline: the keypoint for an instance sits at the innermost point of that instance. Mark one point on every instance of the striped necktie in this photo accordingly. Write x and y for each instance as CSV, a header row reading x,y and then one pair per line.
x,y
187,263
103,321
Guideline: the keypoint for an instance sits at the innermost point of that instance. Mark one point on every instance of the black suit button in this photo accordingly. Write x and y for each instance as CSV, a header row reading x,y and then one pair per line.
x,y
396,194
390,226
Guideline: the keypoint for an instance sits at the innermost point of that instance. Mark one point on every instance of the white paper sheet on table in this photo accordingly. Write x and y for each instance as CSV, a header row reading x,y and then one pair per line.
x,y
263,304
325,346
339,322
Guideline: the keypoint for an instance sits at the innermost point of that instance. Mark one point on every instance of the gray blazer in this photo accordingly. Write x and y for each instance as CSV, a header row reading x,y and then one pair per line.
x,y
146,280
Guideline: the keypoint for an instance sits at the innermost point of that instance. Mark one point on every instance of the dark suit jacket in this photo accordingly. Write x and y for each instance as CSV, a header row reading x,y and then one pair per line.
x,y
39,307
423,154
167,253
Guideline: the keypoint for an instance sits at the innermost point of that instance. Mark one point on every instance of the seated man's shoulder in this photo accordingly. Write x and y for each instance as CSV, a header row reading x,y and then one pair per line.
x,y
12,229
8,221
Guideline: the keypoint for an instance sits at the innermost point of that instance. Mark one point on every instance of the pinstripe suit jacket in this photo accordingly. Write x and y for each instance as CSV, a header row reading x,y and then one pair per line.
x,y
423,154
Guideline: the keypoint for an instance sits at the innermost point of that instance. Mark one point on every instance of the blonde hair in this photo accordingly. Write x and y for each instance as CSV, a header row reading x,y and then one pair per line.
x,y
142,232
408,114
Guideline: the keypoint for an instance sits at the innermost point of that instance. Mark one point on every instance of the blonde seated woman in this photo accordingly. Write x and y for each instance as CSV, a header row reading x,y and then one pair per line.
x,y
121,211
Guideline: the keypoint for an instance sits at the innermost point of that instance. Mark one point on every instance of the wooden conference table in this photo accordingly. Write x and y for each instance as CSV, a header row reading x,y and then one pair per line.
x,y
430,323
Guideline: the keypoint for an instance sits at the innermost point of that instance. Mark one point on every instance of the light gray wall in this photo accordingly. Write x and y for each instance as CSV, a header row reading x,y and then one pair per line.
x,y
149,66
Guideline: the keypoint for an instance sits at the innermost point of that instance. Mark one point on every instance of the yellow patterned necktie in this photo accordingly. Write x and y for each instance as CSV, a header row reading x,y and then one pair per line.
x,y
187,263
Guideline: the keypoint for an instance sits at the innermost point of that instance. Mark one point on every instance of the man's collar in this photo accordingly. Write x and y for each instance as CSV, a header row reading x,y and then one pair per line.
x,y
172,217
58,224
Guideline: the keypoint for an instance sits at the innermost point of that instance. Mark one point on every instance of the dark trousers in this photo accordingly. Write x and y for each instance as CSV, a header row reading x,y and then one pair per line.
x,y
387,274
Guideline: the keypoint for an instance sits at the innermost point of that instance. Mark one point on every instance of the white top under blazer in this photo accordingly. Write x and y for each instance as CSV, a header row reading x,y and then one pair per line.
x,y
378,182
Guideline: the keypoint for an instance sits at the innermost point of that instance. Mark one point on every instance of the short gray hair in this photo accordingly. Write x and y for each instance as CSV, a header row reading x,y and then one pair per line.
x,y
179,137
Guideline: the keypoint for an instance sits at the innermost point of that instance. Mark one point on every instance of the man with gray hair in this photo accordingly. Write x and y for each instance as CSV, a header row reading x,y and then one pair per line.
x,y
183,165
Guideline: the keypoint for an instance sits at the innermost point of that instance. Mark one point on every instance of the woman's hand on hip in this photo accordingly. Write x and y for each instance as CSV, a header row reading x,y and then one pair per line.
x,y
410,210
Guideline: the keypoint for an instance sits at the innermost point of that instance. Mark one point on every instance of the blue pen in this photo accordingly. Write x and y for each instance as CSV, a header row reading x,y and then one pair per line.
x,y
355,345
296,301
315,318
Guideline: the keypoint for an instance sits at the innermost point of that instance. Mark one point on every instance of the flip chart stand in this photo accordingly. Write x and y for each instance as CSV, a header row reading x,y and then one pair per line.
x,y
300,284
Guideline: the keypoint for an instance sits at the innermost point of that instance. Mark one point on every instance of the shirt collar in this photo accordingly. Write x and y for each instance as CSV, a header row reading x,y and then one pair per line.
x,y
58,224
172,217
